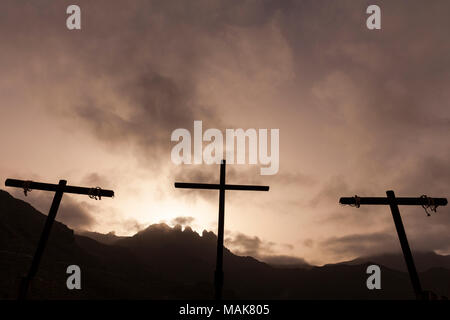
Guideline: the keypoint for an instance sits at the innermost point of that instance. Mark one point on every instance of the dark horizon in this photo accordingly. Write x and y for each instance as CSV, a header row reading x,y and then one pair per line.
x,y
171,263
182,224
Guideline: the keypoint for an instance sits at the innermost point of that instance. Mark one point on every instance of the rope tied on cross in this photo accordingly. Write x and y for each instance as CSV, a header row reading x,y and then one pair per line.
x,y
357,201
356,204
95,193
429,205
26,187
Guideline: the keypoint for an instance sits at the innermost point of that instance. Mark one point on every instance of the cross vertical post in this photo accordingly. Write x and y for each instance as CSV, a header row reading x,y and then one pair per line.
x,y
404,244
59,189
222,186
394,202
218,276
25,283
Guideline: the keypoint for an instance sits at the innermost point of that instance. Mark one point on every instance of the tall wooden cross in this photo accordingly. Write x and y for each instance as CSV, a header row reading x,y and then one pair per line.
x,y
218,275
59,189
393,203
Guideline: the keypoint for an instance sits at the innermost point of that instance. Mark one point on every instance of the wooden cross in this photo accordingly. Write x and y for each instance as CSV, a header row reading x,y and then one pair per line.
x,y
59,189
218,275
394,202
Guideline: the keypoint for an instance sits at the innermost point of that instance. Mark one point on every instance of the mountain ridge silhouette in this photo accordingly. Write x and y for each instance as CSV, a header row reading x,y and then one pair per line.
x,y
424,261
160,262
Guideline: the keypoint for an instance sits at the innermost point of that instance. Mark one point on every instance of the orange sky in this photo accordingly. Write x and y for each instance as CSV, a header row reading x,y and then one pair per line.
x,y
359,112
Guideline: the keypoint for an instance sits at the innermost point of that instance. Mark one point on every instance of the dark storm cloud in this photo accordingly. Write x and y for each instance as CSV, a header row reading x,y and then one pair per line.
x,y
249,246
137,70
427,173
435,240
199,174
395,77
354,245
183,221
212,16
158,105
392,84
156,101
342,56
360,244
244,245
283,260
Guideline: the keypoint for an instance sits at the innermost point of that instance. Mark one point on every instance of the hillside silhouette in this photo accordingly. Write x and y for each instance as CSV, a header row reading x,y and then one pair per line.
x,y
161,262
424,261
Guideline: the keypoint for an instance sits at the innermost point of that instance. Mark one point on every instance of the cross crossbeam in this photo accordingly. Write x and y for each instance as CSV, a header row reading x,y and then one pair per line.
x,y
59,189
218,186
222,186
56,187
401,201
393,202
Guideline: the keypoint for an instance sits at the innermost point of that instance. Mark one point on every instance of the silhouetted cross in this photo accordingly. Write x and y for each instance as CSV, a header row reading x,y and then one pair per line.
x,y
218,276
394,202
59,189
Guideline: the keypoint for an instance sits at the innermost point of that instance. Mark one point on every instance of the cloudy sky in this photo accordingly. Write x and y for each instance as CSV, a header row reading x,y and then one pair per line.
x,y
359,112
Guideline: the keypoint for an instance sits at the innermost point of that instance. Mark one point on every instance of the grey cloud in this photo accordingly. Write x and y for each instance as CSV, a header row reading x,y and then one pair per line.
x,y
368,84
428,173
245,245
356,245
433,239
158,105
156,100
183,220
242,244
360,244
215,15
335,53
284,260
199,174
335,187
